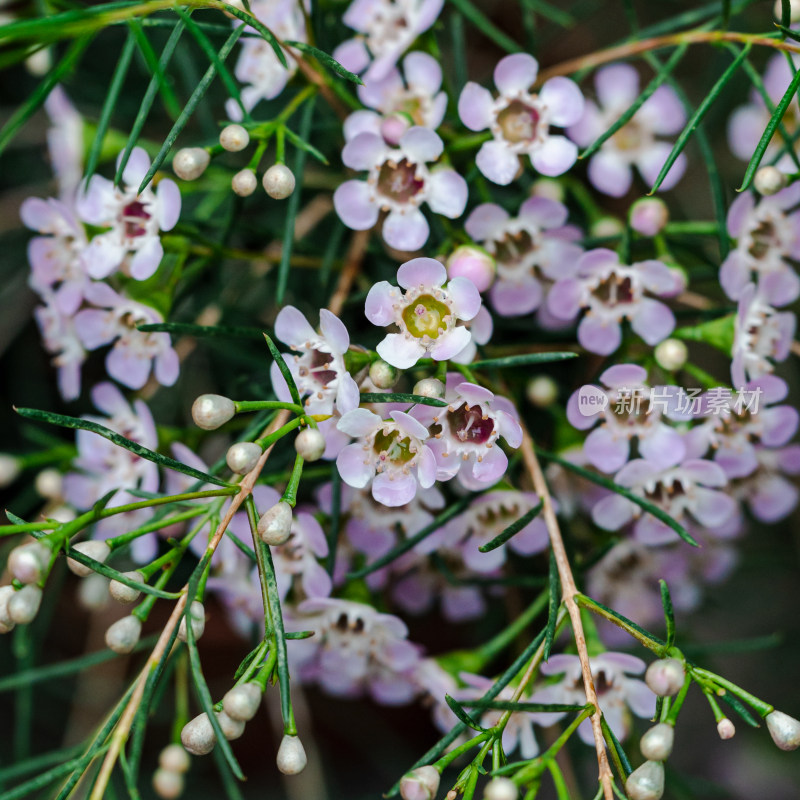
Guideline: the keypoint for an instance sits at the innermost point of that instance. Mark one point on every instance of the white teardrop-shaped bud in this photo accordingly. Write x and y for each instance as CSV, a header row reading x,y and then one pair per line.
x,y
198,736
168,784
382,374
421,783
49,484
174,758
93,592
9,470
28,562
241,702
541,391
6,623
784,730
665,676
23,606
190,163
291,758
244,183
209,411
123,635
232,728
646,782
93,549
275,525
242,457
501,788
726,729
429,387
278,181
123,593
649,216
769,180
671,354
309,444
656,744
234,138
197,614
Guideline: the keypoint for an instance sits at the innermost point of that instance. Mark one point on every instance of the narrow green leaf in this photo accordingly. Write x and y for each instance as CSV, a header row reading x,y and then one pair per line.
x,y
191,105
607,483
512,530
551,12
718,332
626,623
521,360
39,95
486,26
247,661
134,447
617,750
147,100
698,116
769,132
304,145
509,705
171,104
259,26
448,514
739,707
189,329
329,61
400,397
462,715
657,81
669,613
38,763
554,602
287,375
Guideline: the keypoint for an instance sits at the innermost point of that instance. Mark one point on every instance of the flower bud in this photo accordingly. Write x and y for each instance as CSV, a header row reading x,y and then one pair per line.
x,y
500,788
174,758
244,183
393,127
421,783
656,744
607,226
548,188
197,615
794,13
278,181
167,784
23,606
9,470
784,730
310,444
665,676
40,62
242,457
646,782
542,391
649,216
93,592
198,736
726,729
6,623
242,702
472,263
275,525
190,163
671,354
769,180
232,728
234,138
429,387
383,375
93,549
49,484
123,593
123,635
209,411
291,758
28,562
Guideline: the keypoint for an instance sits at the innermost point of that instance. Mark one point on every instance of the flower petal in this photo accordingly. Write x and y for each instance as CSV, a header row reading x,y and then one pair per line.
x,y
407,232
446,193
353,203
399,351
555,156
515,73
564,101
417,272
497,162
465,297
475,107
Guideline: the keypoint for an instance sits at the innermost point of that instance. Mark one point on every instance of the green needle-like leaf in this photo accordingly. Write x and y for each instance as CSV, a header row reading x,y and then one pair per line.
x,y
171,104
329,61
669,613
189,329
512,530
287,375
554,602
521,360
462,715
400,397
265,32
304,145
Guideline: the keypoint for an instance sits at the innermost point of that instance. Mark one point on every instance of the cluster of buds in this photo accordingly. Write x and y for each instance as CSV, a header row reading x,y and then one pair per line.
x,y
168,780
28,565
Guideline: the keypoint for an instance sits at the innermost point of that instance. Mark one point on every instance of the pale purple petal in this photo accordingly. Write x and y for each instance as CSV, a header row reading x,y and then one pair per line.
x,y
347,394
545,213
653,159
610,173
334,331
355,470
511,299
640,698
617,86
491,468
95,328
653,321
665,112
421,144
447,193
399,351
485,220
128,368
623,375
407,232
515,73
426,468
466,298
564,101
734,274
664,446
352,54
712,508
497,162
354,206
564,299
167,367
419,272
606,451
364,151
147,258
450,344
422,72
779,425
169,204
780,287
378,308
509,429
555,156
292,328
316,581
599,336
475,107
362,121
136,168
395,492
358,422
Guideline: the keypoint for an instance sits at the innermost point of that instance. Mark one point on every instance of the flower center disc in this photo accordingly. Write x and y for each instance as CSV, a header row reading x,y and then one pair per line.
x,y
468,425
426,317
399,182
518,121
615,290
134,215
390,447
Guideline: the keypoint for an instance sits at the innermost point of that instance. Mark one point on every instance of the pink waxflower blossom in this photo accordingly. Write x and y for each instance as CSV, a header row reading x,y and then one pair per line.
x,y
532,250
317,366
610,292
520,120
258,67
393,455
768,491
465,434
386,29
132,242
398,181
688,492
64,142
617,693
354,650
628,416
768,239
133,352
425,310
762,335
400,100
636,144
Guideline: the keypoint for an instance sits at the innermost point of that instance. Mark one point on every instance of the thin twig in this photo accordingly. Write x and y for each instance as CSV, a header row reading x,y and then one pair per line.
x,y
352,266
